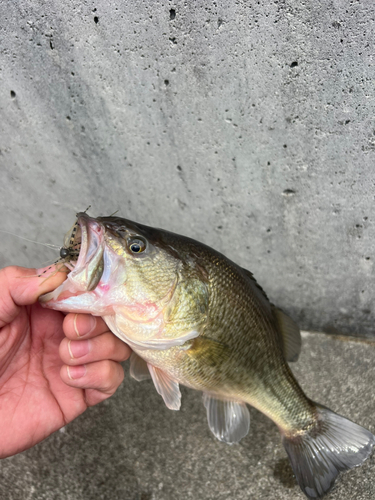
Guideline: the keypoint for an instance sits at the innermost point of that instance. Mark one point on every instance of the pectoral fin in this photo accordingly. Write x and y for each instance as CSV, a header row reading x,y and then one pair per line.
x,y
229,421
291,336
138,368
208,351
167,388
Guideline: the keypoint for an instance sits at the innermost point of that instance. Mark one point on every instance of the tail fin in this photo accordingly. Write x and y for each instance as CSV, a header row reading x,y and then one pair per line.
x,y
334,445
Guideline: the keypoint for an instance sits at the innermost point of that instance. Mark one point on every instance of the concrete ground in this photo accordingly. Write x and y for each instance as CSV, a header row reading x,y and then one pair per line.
x,y
132,447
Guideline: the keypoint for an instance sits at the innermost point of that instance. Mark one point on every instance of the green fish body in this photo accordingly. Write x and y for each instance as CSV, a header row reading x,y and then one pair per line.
x,y
195,318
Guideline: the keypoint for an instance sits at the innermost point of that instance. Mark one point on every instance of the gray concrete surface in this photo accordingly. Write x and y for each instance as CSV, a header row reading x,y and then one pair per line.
x,y
132,447
247,125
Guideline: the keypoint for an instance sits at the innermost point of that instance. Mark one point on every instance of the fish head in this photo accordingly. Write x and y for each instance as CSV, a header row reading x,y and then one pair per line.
x,y
128,274
119,263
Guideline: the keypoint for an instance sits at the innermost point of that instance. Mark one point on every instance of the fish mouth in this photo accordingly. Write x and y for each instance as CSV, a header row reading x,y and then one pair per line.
x,y
90,240
85,248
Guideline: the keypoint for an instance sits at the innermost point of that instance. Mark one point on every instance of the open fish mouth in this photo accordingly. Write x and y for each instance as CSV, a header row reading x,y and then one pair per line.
x,y
90,241
82,254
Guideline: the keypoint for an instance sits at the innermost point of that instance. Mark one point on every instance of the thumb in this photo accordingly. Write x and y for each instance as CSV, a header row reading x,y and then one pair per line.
x,y
24,285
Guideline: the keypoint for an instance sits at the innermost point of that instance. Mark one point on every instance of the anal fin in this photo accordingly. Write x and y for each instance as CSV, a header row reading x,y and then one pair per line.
x,y
167,388
229,421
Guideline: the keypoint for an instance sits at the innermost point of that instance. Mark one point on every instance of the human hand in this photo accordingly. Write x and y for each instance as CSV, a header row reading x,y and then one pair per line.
x,y
47,379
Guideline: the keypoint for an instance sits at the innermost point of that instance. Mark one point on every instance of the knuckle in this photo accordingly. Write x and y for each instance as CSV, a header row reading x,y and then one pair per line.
x,y
119,349
107,371
106,345
110,339
111,376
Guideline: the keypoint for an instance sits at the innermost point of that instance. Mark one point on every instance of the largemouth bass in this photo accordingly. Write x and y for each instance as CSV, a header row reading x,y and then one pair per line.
x,y
195,318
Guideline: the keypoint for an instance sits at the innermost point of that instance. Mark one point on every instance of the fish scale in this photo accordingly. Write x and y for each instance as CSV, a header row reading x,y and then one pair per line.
x,y
237,306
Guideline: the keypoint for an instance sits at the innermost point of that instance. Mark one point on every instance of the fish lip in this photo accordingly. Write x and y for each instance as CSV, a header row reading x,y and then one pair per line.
x,y
91,249
92,236
92,243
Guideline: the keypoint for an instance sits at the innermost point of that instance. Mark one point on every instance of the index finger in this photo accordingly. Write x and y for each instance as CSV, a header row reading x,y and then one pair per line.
x,y
21,286
26,285
86,326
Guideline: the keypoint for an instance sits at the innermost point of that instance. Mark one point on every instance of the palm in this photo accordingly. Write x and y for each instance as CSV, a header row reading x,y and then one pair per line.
x,y
34,401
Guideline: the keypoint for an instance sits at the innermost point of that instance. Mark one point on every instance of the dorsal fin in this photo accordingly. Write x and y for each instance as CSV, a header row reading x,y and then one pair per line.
x,y
250,275
289,330
290,335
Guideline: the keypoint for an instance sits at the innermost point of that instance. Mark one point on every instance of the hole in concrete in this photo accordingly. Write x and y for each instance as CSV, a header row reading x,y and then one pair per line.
x,y
285,146
172,14
12,94
179,168
51,45
219,22
173,40
68,118
294,64
166,82
289,192
96,19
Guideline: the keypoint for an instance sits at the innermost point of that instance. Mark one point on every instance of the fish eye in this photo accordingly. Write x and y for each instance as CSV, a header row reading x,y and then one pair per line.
x,y
137,246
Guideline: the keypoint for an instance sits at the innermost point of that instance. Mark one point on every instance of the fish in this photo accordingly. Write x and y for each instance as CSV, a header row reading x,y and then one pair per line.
x,y
193,317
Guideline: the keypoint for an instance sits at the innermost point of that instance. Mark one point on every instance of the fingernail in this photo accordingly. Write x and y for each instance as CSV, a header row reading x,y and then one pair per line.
x,y
75,372
84,324
78,348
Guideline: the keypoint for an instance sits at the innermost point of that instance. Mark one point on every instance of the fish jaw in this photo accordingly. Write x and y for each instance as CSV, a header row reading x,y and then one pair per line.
x,y
86,286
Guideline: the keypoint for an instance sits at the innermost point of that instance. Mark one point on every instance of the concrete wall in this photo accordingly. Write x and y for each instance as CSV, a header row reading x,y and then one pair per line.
x,y
247,125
